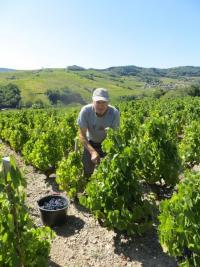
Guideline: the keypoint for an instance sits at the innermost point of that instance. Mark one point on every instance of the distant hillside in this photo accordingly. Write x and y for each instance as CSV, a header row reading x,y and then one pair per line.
x,y
123,82
189,71
6,70
186,71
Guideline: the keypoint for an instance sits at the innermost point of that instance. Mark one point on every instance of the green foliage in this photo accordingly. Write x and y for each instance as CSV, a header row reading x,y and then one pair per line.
x,y
69,174
114,194
38,104
37,246
9,96
159,159
20,242
75,68
63,95
46,152
1,155
190,144
194,90
43,137
17,134
179,230
53,95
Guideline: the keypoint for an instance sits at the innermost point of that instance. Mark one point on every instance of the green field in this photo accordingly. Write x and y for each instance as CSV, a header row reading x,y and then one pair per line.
x,y
33,84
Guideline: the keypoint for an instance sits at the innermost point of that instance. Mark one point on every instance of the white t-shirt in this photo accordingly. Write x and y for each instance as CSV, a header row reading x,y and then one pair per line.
x,y
96,125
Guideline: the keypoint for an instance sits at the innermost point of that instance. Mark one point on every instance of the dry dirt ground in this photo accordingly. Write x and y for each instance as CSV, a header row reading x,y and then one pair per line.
x,y
81,241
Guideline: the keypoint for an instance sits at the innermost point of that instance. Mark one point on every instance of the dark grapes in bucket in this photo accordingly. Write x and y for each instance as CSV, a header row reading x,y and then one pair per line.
x,y
54,204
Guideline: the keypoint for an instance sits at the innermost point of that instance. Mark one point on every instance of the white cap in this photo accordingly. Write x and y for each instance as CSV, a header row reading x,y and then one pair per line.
x,y
100,94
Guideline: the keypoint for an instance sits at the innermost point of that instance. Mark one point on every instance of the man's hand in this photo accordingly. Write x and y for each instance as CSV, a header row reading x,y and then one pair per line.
x,y
95,158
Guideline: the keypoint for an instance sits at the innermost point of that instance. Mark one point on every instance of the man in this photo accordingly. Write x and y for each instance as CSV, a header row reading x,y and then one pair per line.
x,y
93,119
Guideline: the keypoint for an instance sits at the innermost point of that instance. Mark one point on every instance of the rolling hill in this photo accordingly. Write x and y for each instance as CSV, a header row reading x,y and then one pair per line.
x,y
121,81
6,70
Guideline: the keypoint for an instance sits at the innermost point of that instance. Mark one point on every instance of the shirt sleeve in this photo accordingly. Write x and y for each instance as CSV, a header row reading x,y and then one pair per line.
x,y
82,118
116,121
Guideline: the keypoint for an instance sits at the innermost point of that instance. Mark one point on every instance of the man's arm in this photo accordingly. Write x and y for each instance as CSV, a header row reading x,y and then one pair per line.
x,y
95,158
116,120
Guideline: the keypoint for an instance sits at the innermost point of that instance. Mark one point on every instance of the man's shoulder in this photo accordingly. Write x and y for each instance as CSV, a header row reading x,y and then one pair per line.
x,y
113,110
87,108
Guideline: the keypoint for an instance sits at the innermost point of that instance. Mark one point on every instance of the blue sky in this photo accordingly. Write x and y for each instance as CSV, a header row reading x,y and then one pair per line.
x,y
99,33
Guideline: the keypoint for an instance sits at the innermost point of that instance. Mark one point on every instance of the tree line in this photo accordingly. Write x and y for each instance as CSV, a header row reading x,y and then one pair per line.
x,y
10,96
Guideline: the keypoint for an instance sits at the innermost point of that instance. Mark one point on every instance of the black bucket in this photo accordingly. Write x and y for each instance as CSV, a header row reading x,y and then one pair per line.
x,y
53,217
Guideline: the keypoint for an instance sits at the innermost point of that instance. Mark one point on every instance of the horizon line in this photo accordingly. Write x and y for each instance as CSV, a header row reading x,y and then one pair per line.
x,y
88,68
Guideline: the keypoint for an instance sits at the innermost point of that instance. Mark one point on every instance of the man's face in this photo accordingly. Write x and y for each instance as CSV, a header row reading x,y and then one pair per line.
x,y
100,107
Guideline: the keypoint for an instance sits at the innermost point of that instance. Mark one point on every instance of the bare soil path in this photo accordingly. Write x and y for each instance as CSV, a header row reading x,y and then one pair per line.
x,y
81,241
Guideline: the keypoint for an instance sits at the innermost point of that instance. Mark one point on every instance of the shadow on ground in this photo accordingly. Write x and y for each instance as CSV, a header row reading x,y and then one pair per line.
x,y
72,226
52,182
53,264
80,207
146,250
